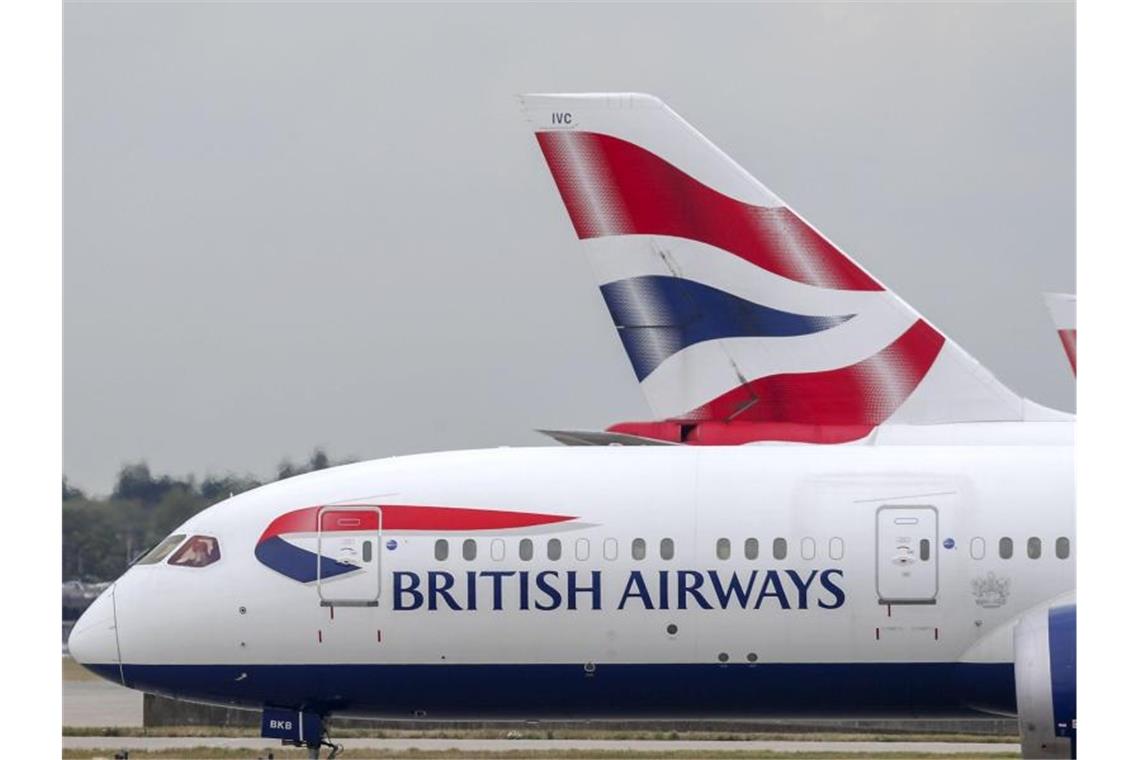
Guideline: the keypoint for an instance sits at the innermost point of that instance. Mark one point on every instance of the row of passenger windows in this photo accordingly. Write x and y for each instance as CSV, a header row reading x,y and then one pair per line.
x,y
808,549
1033,548
638,549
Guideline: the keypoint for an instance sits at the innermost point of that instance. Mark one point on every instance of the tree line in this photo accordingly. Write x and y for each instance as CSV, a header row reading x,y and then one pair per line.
x,y
102,536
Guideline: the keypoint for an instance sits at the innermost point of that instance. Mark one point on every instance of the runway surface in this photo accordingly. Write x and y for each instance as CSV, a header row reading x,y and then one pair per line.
x,y
538,745
98,703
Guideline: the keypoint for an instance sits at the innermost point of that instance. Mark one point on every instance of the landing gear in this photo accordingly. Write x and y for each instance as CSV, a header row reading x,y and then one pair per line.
x,y
325,741
298,728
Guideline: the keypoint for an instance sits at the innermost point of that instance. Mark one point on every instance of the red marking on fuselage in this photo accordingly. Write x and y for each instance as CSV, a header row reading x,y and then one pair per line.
x,y
399,517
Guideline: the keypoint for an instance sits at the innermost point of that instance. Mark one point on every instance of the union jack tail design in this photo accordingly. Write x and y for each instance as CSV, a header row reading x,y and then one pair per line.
x,y
732,309
1063,309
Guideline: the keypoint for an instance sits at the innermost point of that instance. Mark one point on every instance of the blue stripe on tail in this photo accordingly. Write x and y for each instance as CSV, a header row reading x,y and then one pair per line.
x,y
657,316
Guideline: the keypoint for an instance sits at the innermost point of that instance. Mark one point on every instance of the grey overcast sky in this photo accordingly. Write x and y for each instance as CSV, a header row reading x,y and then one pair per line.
x,y
303,224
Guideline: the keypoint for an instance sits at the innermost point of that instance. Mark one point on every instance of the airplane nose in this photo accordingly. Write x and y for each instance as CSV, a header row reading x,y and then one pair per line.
x,y
94,641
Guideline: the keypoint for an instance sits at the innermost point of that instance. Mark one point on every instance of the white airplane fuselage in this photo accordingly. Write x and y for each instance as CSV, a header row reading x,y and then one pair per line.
x,y
870,579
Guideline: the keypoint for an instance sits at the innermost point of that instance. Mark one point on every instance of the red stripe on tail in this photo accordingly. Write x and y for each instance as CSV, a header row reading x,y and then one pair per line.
x,y
866,393
1069,341
613,187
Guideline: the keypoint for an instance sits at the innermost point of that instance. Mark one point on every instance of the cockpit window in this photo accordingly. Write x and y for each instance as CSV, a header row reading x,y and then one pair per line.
x,y
159,552
199,551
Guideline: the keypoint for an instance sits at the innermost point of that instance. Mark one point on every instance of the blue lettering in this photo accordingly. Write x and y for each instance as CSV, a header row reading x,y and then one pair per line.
x,y
825,579
641,592
595,589
734,588
471,597
730,590
436,589
544,586
496,577
685,589
802,585
524,589
772,578
400,589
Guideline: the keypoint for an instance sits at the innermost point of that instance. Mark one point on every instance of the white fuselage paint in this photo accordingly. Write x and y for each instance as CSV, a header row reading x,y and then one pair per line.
x,y
821,500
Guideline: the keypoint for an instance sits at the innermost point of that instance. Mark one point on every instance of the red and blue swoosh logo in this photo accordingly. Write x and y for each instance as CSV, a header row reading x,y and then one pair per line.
x,y
277,552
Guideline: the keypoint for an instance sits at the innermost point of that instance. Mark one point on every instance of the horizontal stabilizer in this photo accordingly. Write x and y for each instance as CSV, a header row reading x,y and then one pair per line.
x,y
600,438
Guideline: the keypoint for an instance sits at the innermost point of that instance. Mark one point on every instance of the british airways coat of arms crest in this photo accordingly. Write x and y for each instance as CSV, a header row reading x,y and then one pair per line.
x,y
990,591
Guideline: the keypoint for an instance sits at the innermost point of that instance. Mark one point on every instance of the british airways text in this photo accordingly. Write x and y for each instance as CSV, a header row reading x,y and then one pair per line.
x,y
548,590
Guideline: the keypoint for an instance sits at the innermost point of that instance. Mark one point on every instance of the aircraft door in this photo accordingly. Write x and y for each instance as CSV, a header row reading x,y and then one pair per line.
x,y
348,543
907,555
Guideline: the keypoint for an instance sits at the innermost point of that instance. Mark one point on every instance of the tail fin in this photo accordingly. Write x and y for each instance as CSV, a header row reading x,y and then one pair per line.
x,y
729,305
1063,309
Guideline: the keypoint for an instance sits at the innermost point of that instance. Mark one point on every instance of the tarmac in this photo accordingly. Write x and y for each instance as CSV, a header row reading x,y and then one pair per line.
x,y
872,748
99,703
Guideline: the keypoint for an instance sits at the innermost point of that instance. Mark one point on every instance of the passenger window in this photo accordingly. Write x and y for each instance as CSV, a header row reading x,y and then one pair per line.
x,y
1033,547
554,549
582,549
366,552
977,548
163,550
526,550
609,548
666,548
780,548
1062,548
637,548
1005,547
751,549
835,548
723,548
498,549
441,547
924,549
199,551
807,548
469,549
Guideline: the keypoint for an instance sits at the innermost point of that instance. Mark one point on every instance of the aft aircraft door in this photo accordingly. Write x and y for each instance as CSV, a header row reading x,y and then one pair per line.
x,y
907,555
348,545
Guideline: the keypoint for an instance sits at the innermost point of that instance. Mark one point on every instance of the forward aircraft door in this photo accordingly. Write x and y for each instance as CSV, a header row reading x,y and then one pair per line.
x,y
907,556
348,542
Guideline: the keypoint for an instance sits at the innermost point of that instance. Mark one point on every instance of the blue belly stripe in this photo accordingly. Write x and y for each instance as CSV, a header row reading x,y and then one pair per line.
x,y
453,691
